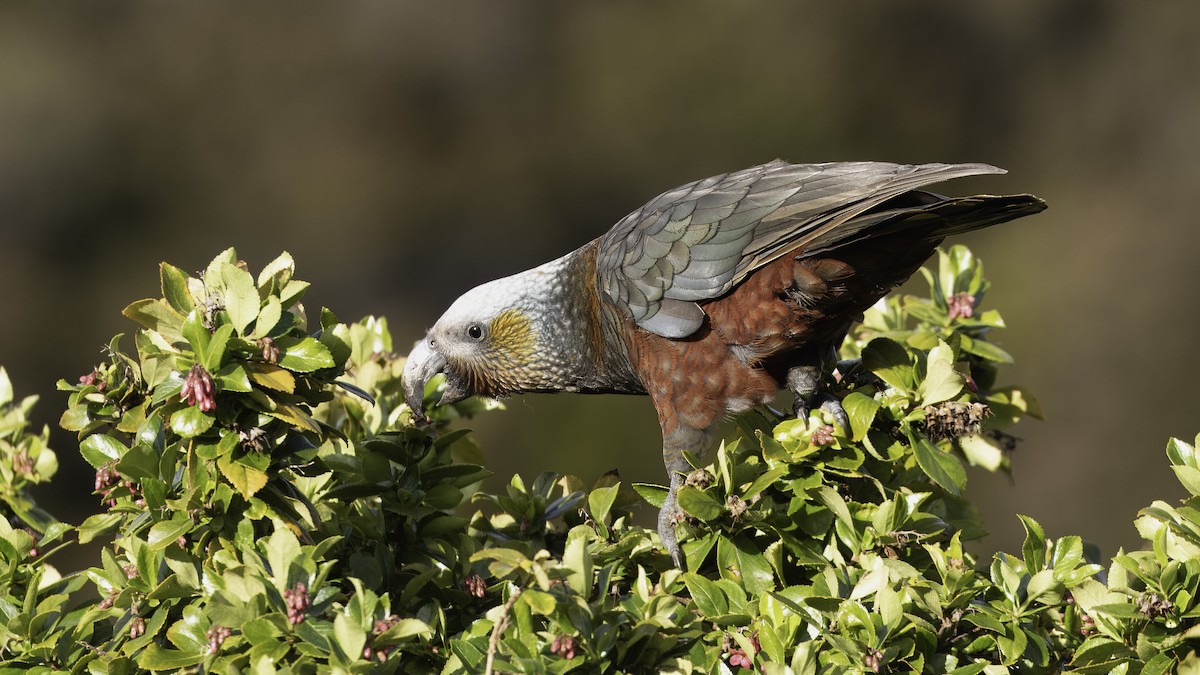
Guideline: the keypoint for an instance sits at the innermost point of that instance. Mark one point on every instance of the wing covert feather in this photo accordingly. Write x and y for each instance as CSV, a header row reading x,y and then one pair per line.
x,y
697,241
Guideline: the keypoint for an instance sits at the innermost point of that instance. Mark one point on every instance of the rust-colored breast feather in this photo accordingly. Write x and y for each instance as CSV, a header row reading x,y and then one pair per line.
x,y
692,381
785,313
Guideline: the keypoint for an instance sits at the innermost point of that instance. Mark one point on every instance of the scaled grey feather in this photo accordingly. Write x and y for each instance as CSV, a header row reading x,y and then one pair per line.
x,y
696,242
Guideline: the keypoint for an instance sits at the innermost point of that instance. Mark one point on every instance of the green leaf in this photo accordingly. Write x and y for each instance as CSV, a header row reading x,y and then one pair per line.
x,y
246,479
539,601
296,416
189,632
740,561
890,361
1010,404
1034,549
1044,588
97,525
600,501
216,348
835,503
6,388
1012,645
172,587
196,333
309,633
767,479
165,533
861,410
241,296
191,421
1161,664
1189,477
1120,610
656,495
156,657
271,377
232,378
1068,554
1181,453
283,550
941,467
985,350
349,637
577,559
709,598
268,317
334,339
99,449
405,628
699,504
982,451
1099,649
504,560
139,462
175,291
156,315
292,292
261,630
942,382
277,273
303,355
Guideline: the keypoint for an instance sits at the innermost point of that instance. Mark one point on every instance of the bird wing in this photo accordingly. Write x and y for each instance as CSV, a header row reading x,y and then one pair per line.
x,y
698,241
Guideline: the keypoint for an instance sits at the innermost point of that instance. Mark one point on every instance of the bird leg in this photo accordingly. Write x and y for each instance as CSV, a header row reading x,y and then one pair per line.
x,y
678,467
805,383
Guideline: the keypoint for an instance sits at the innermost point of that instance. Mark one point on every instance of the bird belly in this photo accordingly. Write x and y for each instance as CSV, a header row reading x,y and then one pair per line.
x,y
791,312
696,381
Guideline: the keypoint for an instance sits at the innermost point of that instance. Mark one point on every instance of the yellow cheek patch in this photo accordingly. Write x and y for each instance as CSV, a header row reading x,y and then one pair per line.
x,y
511,333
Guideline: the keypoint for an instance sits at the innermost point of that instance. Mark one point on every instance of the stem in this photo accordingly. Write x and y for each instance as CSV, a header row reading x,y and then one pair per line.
x,y
498,630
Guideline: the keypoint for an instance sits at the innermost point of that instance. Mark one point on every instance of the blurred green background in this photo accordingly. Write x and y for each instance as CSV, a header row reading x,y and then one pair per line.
x,y
404,152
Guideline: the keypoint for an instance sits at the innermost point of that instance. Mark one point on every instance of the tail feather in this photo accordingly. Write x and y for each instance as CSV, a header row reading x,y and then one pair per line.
x,y
939,219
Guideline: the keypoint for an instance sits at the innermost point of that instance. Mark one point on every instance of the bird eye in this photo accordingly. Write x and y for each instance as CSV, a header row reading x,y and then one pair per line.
x,y
475,331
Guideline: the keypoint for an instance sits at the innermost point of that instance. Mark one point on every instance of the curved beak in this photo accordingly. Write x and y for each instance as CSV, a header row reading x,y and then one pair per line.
x,y
422,364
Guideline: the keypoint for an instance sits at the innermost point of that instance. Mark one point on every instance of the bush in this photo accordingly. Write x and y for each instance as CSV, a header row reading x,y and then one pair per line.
x,y
269,505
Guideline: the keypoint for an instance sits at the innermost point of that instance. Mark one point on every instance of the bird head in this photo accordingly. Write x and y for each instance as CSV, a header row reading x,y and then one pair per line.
x,y
486,343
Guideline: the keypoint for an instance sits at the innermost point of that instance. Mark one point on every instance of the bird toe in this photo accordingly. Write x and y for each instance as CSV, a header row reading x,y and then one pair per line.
x,y
668,516
834,407
828,403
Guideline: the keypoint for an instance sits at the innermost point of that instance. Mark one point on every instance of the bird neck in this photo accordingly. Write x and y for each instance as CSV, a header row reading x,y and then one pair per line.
x,y
584,347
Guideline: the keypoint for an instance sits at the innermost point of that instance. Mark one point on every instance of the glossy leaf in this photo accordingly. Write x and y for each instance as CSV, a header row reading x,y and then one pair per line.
x,y
175,288
303,355
271,377
240,295
740,561
861,410
246,479
158,658
156,315
166,532
890,362
699,504
600,501
100,449
941,467
942,382
191,421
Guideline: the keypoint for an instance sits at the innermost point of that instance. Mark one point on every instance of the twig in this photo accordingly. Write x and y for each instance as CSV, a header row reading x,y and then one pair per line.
x,y
498,630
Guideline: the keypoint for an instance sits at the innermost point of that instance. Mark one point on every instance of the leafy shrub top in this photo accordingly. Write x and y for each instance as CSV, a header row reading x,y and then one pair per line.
x,y
269,505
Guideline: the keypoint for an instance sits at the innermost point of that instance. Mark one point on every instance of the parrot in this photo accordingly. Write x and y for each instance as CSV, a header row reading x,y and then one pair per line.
x,y
711,298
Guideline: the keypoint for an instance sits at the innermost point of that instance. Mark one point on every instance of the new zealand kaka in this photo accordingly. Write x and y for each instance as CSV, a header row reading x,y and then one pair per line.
x,y
710,298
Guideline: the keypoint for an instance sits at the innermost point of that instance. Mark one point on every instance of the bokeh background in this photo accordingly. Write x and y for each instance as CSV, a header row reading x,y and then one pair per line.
x,y
404,152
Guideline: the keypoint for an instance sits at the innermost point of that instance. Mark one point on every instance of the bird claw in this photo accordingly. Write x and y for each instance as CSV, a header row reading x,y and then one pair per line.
x,y
829,404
